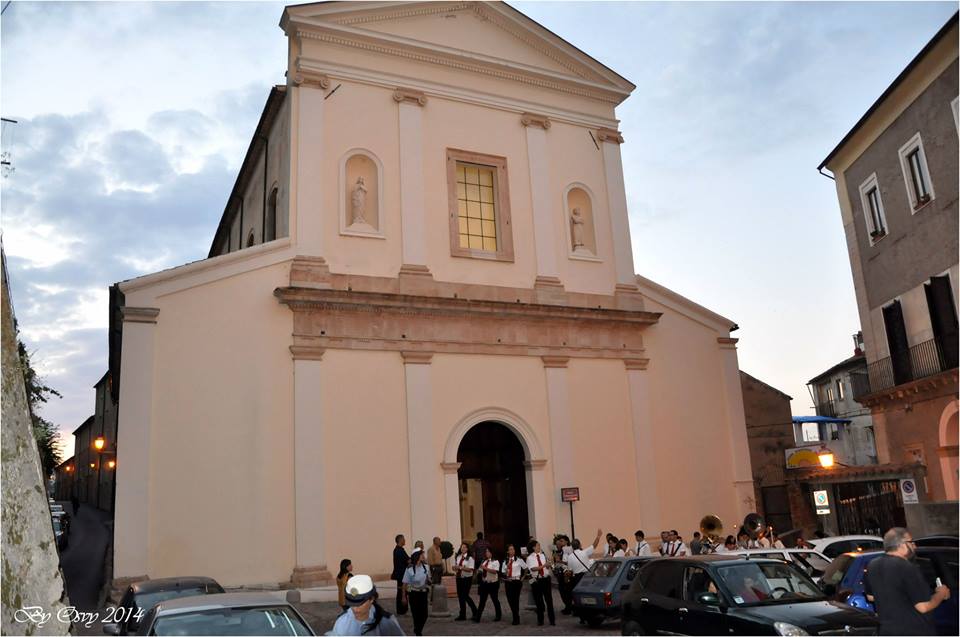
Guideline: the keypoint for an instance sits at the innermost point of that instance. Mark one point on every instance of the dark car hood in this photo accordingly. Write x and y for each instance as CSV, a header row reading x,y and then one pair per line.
x,y
813,617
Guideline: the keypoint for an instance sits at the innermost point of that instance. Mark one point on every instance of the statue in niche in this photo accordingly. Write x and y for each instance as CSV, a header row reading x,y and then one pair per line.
x,y
576,221
358,201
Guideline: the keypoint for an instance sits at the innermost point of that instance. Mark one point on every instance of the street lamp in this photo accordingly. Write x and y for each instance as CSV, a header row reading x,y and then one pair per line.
x,y
826,458
99,443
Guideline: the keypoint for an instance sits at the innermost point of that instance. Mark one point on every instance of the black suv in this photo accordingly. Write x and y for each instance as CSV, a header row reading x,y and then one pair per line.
x,y
720,595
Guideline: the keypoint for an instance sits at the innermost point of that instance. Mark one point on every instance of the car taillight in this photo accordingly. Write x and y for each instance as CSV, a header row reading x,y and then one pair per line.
x,y
608,599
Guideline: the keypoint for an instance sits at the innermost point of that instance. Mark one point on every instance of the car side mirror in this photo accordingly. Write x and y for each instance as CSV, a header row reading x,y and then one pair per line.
x,y
708,599
111,629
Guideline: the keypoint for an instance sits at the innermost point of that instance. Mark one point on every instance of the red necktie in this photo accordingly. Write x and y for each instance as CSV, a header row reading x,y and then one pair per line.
x,y
461,561
539,565
510,568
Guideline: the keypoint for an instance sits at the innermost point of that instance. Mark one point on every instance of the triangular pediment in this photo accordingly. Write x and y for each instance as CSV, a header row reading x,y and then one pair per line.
x,y
479,34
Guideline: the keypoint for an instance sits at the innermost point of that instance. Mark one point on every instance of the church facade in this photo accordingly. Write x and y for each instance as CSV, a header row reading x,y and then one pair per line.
x,y
419,315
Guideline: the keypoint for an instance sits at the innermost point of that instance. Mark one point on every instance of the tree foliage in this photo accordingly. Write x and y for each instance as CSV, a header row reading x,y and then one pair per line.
x,y
38,393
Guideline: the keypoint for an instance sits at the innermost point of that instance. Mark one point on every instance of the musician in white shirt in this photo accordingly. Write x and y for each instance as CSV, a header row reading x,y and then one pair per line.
x,y
463,566
512,569
489,585
675,546
643,547
579,561
539,568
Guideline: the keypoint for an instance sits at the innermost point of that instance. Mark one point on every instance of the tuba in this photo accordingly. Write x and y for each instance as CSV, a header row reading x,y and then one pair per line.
x,y
711,528
754,525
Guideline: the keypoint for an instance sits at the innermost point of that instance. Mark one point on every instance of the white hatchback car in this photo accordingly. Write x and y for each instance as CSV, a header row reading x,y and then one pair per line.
x,y
812,562
840,544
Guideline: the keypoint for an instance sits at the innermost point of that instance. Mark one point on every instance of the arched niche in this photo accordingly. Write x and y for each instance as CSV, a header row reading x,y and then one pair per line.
x,y
361,194
580,223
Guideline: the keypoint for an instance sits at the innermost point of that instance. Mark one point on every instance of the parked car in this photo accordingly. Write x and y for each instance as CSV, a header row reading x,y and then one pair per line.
x,y
723,595
60,534
834,546
938,540
597,595
140,597
844,581
811,562
225,614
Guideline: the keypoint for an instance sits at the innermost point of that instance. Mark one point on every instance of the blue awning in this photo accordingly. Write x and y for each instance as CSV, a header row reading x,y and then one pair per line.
x,y
818,419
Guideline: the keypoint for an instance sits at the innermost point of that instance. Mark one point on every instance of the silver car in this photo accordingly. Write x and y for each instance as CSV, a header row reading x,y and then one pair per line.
x,y
810,561
225,614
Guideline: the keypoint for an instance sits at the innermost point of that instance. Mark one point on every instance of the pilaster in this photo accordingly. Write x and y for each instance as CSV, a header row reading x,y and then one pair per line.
x,y
541,505
610,141
451,498
412,223
309,157
309,477
736,427
561,427
638,383
425,484
134,424
544,222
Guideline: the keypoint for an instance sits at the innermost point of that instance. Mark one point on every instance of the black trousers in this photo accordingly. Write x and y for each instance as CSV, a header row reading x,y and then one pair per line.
x,y
543,596
418,608
401,607
565,587
491,590
463,595
513,588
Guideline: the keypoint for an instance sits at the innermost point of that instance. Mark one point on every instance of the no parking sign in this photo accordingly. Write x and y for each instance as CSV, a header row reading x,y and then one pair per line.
x,y
908,491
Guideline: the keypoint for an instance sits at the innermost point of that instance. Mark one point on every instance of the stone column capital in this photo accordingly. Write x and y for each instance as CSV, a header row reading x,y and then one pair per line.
x,y
531,119
139,314
636,363
411,96
313,80
450,467
307,352
727,343
535,465
555,361
417,358
609,135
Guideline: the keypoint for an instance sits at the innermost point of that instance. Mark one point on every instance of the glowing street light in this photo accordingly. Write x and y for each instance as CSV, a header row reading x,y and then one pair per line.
x,y
111,464
826,458
99,443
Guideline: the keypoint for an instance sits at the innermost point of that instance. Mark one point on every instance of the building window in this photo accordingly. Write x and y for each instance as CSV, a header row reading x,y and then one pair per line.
x,y
839,389
873,212
479,206
829,394
916,175
270,224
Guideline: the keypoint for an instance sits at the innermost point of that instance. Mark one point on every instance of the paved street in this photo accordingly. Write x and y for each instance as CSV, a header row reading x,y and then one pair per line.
x,y
82,562
321,616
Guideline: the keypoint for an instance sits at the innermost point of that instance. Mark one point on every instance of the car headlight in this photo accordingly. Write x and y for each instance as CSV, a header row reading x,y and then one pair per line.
x,y
783,628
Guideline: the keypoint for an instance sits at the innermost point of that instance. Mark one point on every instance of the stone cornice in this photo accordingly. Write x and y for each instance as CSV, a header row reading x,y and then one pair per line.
x,y
350,319
139,314
637,363
555,361
307,353
396,46
409,95
530,119
727,343
417,358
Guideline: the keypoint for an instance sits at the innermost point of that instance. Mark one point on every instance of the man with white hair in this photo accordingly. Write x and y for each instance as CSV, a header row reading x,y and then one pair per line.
x,y
897,588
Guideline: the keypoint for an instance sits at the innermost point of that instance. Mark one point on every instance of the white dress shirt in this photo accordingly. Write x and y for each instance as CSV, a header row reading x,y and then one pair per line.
x,y
535,561
619,553
487,576
643,548
513,567
579,561
466,562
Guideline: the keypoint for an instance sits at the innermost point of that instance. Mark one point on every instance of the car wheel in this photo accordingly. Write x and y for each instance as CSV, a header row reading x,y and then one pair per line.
x,y
631,628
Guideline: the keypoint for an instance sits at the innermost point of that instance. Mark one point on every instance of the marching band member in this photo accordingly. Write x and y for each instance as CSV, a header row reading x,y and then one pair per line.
x,y
489,584
512,568
539,569
643,547
464,567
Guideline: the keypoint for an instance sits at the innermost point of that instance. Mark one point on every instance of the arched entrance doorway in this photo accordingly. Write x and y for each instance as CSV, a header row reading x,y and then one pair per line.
x,y
492,486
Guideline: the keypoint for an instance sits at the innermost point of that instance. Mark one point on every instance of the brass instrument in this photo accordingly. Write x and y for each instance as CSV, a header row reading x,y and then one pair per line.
x,y
711,528
754,525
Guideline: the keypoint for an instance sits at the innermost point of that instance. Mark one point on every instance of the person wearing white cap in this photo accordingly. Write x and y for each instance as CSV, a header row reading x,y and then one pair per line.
x,y
416,588
366,616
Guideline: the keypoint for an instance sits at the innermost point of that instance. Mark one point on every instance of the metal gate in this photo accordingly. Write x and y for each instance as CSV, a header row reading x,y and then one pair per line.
x,y
868,507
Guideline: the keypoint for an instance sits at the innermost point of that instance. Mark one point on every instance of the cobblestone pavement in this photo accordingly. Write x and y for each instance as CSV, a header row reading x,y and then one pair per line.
x,y
82,561
321,615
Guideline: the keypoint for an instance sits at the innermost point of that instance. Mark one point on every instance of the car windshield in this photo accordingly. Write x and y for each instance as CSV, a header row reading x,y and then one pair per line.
x,y
834,573
811,563
605,569
275,620
767,583
146,601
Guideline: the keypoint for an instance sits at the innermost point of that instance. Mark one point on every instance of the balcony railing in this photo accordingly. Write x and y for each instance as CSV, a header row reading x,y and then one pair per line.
x,y
920,361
